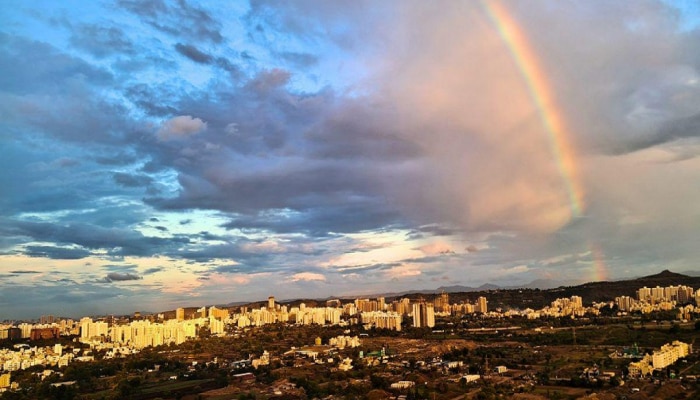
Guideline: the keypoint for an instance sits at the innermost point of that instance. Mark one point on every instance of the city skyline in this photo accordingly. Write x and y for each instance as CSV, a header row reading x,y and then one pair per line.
x,y
159,154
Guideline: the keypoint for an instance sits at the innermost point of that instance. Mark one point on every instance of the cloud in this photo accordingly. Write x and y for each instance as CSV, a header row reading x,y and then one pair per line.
x,y
116,241
119,277
52,70
307,277
303,60
436,248
131,180
227,269
66,162
153,270
333,133
179,19
101,41
180,127
63,253
517,269
402,271
193,53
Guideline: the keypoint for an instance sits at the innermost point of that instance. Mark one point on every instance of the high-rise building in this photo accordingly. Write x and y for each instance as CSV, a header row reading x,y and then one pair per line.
x,y
442,302
416,315
271,303
644,294
481,303
180,314
685,294
423,315
624,303
429,315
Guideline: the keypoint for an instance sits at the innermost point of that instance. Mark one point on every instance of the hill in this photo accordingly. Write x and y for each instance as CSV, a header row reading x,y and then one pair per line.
x,y
590,292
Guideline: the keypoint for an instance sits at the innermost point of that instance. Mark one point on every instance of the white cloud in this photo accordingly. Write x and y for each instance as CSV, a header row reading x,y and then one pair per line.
x,y
517,269
307,276
403,271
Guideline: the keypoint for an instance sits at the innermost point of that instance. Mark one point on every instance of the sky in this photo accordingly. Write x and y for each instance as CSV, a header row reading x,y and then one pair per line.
x,y
157,154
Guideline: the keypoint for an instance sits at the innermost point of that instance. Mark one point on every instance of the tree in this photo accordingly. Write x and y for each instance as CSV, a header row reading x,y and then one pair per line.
x,y
675,329
378,382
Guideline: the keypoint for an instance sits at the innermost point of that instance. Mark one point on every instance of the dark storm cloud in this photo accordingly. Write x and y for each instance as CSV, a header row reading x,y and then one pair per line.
x,y
322,222
56,253
69,107
178,18
338,189
131,180
193,53
670,131
118,241
343,136
101,41
294,187
32,185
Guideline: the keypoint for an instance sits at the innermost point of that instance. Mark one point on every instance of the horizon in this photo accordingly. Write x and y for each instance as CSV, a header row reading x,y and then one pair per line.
x,y
168,153
434,291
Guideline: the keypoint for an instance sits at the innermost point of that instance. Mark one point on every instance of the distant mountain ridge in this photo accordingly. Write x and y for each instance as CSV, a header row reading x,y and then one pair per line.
x,y
536,297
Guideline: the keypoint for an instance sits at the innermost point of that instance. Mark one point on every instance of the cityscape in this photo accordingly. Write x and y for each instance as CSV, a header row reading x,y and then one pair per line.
x,y
313,199
417,345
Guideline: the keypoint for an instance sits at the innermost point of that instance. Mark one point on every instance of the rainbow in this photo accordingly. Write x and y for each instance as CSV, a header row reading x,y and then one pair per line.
x,y
600,270
543,99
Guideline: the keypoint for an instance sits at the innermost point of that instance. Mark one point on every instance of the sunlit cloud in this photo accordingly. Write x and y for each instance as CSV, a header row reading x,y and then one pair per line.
x,y
468,143
307,276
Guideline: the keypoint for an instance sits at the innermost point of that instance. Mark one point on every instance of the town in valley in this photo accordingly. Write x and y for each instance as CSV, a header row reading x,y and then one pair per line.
x,y
468,345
